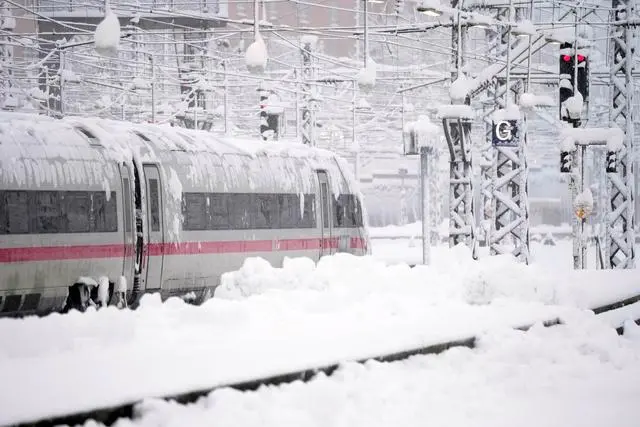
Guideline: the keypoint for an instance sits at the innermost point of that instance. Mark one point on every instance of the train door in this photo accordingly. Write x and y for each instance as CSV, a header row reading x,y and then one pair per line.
x,y
326,223
155,228
127,215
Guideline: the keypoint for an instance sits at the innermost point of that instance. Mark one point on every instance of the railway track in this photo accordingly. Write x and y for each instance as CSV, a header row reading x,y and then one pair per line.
x,y
109,415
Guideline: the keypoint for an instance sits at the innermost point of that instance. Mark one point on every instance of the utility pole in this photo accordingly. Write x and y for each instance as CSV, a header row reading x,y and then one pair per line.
x,y
457,130
61,79
308,113
509,231
7,25
153,88
620,219
225,96
425,172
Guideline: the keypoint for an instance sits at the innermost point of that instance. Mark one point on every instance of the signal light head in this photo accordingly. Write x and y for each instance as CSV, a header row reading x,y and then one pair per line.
x,y
569,58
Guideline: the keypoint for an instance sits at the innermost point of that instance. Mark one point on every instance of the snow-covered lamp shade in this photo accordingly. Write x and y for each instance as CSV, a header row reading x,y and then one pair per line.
x,y
421,133
107,35
367,77
256,56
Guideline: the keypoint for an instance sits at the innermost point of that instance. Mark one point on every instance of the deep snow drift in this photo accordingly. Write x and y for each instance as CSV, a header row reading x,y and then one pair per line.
x,y
578,374
268,320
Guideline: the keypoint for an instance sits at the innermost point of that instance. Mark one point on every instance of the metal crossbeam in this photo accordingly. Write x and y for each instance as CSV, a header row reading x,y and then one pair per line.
x,y
620,219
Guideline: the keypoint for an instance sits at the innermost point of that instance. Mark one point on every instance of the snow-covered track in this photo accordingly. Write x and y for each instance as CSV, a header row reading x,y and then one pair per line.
x,y
110,415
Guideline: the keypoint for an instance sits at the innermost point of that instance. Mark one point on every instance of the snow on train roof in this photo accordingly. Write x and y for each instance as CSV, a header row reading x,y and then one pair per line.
x,y
173,138
41,137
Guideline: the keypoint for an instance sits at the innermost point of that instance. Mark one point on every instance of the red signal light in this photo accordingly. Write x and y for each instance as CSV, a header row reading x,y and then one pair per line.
x,y
566,58
581,58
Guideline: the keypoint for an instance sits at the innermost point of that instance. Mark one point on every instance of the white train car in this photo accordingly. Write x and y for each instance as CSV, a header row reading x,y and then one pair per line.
x,y
163,209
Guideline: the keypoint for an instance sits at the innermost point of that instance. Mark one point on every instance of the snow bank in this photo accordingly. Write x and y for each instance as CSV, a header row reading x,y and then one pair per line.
x,y
578,374
267,321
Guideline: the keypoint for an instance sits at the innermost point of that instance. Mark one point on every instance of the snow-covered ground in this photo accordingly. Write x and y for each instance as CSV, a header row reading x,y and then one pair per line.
x,y
578,374
267,320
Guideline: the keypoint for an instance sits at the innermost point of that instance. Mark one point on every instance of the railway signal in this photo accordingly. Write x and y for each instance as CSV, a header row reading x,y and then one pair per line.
x,y
574,74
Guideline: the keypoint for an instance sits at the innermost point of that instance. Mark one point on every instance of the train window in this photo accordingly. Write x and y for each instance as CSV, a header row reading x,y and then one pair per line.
x,y
265,209
78,211
104,213
358,214
194,211
309,211
347,211
127,204
17,208
289,210
240,208
93,140
46,215
154,197
219,211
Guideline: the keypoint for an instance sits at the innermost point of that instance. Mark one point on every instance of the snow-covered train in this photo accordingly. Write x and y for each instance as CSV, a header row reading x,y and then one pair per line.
x,y
156,209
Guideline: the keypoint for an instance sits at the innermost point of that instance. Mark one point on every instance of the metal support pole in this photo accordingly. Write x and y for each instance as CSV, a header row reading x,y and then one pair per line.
x,y
61,75
225,96
577,186
620,219
308,114
256,19
509,210
153,88
366,35
7,24
457,130
425,208
354,138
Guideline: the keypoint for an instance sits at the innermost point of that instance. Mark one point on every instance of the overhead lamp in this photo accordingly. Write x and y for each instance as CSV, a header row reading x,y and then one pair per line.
x,y
375,1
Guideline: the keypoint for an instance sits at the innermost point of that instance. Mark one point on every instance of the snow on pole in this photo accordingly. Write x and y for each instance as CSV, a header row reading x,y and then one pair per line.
x,y
107,35
367,76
